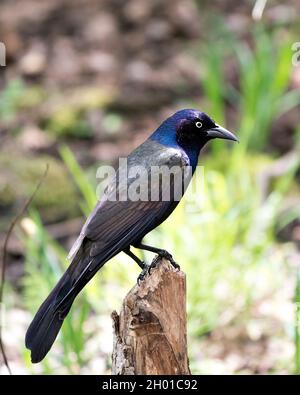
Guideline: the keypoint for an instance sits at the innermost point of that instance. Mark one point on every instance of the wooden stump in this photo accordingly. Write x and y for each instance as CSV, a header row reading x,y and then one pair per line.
x,y
150,333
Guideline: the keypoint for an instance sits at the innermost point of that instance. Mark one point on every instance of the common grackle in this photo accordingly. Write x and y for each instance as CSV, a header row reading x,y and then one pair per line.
x,y
117,224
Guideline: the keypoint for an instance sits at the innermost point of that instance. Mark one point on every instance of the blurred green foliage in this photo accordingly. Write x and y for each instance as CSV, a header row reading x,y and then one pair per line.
x,y
67,121
68,118
16,97
85,187
263,70
20,175
10,99
264,77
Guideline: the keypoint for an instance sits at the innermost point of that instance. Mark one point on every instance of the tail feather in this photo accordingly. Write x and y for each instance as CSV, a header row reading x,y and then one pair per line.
x,y
47,322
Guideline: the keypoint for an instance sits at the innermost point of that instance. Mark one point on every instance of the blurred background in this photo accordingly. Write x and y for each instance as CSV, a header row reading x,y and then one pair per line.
x,y
85,82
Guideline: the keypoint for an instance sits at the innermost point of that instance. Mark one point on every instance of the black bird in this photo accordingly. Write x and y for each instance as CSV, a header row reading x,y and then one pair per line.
x,y
116,224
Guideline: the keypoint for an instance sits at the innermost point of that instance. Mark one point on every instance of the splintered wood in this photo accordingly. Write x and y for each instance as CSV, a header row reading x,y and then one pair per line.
x,y
150,332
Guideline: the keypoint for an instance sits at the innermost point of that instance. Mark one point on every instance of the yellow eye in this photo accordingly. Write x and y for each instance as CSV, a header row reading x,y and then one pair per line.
x,y
198,124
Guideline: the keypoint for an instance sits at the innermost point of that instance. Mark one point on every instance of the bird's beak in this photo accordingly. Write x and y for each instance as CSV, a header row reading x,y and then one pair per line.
x,y
221,133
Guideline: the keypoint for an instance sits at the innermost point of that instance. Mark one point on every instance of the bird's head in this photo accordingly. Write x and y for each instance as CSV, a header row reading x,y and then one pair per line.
x,y
191,130
196,127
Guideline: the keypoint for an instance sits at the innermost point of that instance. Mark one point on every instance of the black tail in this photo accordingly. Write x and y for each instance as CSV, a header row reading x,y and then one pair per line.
x,y
48,320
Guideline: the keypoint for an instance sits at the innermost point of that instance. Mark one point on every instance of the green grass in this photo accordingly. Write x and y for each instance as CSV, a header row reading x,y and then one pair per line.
x,y
264,77
10,99
18,97
263,70
84,186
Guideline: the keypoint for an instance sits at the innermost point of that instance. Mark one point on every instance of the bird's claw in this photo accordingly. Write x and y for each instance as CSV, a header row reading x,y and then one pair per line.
x,y
153,264
142,276
147,270
165,254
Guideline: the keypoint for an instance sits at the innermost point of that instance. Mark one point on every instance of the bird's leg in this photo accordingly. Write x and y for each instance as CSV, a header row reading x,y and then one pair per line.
x,y
161,253
141,263
147,270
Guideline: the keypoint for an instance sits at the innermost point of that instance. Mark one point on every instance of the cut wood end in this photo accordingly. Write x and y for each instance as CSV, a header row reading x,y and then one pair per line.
x,y
150,332
163,272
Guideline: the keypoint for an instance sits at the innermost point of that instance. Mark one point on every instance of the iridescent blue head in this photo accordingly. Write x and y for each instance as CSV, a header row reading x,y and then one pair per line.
x,y
190,130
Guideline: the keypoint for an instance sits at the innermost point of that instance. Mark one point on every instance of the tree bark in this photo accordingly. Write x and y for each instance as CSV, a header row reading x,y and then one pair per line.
x,y
150,332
